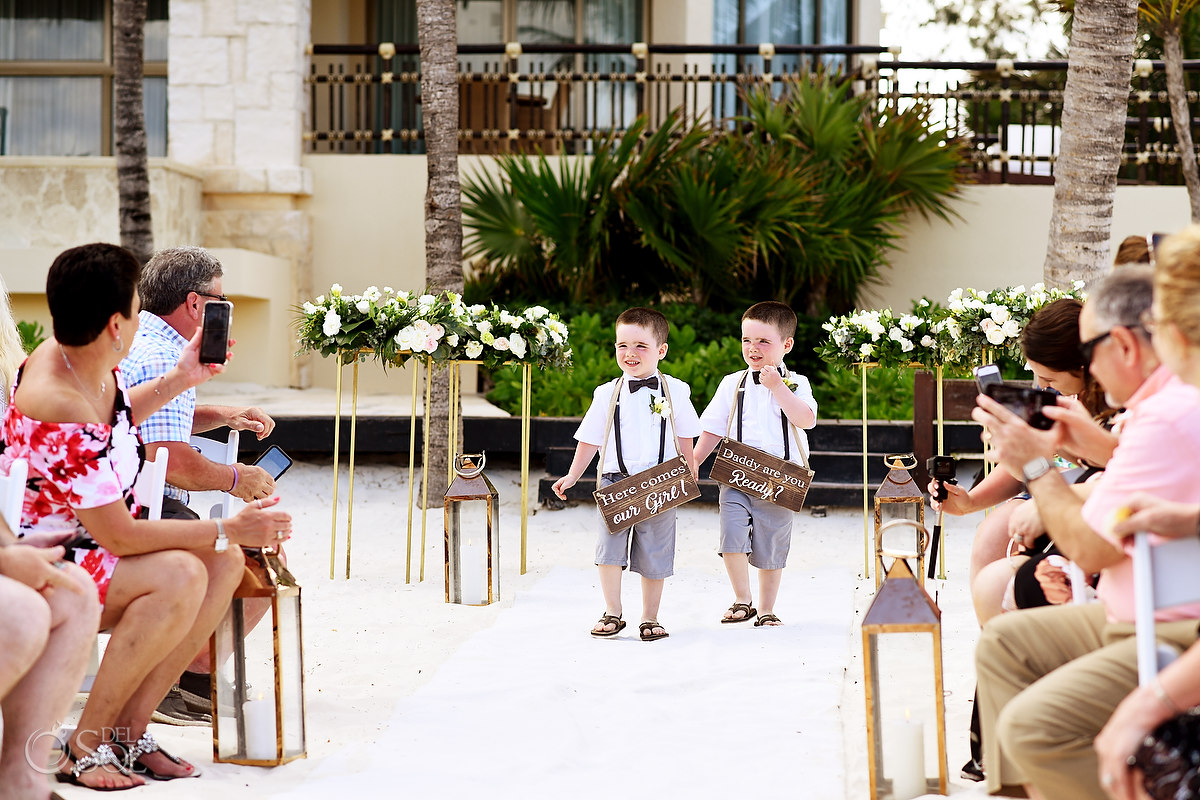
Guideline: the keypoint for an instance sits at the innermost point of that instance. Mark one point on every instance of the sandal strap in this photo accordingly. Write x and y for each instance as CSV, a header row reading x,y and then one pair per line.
x,y
145,744
102,756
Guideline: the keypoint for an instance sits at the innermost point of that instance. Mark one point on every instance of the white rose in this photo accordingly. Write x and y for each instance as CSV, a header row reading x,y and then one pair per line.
x,y
474,349
363,305
926,341
500,343
1011,329
309,308
517,345
1000,314
333,323
452,340
483,326
995,335
536,312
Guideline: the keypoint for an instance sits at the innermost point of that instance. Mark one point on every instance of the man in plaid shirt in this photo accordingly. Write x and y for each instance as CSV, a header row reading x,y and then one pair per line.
x,y
175,286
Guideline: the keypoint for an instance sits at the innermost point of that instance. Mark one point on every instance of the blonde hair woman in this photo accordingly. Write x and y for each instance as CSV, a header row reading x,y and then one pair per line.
x,y
11,352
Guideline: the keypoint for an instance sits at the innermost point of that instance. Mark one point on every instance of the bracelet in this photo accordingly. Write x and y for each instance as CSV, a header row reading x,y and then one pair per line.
x,y
1165,698
161,379
235,477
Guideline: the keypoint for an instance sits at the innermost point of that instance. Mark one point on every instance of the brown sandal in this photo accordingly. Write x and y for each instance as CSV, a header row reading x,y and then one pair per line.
x,y
609,619
768,621
745,608
646,631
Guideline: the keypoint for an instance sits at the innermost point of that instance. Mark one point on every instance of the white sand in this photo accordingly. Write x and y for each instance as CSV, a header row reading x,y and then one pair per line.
x,y
407,694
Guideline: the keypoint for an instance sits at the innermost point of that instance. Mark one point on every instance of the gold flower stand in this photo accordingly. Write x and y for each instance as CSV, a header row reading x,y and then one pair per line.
x,y
452,444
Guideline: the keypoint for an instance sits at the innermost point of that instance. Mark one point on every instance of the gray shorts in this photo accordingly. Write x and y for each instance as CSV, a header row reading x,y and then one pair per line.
x,y
648,548
755,526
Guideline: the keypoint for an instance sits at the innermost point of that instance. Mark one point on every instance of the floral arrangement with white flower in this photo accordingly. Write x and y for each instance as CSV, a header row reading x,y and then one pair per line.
x,y
882,337
397,325
660,406
976,322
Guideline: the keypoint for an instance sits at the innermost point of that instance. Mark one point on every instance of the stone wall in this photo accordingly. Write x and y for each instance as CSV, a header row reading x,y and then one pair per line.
x,y
236,99
63,202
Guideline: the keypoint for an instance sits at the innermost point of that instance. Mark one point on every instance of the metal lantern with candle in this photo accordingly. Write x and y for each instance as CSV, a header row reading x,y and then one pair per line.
x,y
472,509
898,498
902,670
258,670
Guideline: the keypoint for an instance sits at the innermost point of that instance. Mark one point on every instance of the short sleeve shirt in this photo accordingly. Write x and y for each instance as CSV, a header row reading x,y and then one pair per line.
x,y
641,429
761,425
156,349
1158,453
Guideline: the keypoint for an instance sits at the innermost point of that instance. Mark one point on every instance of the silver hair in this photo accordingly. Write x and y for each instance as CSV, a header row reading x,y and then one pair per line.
x,y
172,273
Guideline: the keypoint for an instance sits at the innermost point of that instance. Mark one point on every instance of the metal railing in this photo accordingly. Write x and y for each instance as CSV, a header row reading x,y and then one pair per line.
x,y
562,98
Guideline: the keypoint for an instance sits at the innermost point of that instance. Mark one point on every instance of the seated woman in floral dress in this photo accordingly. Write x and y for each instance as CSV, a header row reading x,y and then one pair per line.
x,y
164,584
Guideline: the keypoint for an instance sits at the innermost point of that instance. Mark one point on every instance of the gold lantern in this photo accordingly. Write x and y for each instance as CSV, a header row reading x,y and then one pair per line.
x,y
472,503
258,671
898,498
902,670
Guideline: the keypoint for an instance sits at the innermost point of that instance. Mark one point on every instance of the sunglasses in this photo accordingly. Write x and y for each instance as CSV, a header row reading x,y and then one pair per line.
x,y
1088,349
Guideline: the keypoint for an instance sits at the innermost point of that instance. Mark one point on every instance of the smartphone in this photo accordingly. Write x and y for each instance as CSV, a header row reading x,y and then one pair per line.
x,y
274,461
1025,402
214,340
987,374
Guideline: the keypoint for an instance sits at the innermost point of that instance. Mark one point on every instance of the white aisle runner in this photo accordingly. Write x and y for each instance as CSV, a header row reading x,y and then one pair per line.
x,y
534,707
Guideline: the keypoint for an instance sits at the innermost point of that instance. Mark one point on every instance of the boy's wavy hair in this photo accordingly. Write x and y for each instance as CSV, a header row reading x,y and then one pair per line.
x,y
778,315
648,318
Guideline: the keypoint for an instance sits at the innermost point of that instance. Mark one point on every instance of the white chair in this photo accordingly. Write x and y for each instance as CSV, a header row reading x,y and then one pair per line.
x,y
1164,575
12,493
148,490
212,504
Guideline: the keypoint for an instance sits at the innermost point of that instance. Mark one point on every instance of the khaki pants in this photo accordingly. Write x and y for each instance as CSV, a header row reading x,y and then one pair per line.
x,y
1049,678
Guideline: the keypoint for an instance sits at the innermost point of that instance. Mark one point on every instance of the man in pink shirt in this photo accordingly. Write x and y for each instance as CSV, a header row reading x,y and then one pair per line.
x,y
1050,677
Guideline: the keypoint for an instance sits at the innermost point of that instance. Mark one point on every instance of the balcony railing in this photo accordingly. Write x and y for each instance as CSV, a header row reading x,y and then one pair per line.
x,y
562,98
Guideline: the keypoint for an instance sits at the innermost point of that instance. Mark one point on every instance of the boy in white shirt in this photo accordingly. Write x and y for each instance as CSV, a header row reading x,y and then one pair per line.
x,y
638,441
766,398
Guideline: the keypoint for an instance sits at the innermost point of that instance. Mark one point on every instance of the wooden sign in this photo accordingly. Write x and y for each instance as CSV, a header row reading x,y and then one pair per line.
x,y
639,497
762,475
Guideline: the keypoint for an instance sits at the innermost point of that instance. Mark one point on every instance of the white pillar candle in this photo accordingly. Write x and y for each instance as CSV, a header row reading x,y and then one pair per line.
x,y
260,729
904,758
473,573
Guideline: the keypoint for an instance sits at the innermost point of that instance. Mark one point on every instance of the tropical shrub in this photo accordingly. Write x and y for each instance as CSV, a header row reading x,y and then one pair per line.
x,y
800,202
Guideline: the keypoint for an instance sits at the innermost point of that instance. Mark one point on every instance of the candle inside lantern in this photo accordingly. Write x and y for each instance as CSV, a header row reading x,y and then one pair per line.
x,y
904,758
260,729
473,566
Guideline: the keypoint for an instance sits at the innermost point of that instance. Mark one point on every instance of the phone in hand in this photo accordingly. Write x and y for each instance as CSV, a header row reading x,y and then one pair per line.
x,y
274,461
214,337
985,375
1025,402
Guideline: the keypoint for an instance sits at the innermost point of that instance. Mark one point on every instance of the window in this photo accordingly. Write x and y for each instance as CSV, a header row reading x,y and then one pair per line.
x,y
56,77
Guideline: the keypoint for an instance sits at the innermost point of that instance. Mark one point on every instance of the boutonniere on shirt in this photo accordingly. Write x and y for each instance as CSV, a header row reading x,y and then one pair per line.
x,y
789,383
660,406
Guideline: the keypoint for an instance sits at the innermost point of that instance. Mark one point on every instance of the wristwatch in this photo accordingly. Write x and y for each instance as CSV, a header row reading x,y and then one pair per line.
x,y
222,542
1036,469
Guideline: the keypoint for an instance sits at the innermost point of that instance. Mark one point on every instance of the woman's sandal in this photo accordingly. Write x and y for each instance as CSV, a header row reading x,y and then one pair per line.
x,y
145,745
646,631
609,619
103,756
745,608
767,621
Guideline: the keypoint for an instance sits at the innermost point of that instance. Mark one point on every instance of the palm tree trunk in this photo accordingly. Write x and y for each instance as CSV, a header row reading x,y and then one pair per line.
x,y
133,176
438,37
1093,132
1181,116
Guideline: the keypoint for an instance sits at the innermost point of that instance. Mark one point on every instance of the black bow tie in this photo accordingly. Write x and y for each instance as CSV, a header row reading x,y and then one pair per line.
x,y
638,383
754,373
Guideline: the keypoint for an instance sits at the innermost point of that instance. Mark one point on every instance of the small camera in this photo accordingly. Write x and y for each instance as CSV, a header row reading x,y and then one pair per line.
x,y
943,469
